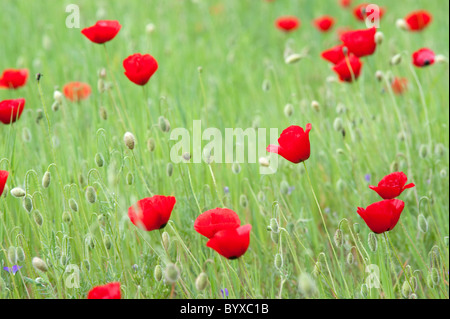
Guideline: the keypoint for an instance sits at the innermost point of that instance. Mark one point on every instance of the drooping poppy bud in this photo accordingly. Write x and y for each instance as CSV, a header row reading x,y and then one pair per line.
x,y
423,57
293,144
108,291
77,91
392,185
335,54
231,243
214,220
11,110
103,31
287,23
3,178
360,42
418,20
382,216
343,70
152,212
324,23
13,79
139,68
399,85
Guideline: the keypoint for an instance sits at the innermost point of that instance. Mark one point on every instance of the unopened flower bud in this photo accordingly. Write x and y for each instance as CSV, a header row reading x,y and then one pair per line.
x,y
130,178
58,96
243,201
27,203
201,281
169,169
73,205
278,261
307,285
151,144
338,238
103,113
99,159
379,37
165,239
129,140
67,217
293,58
396,59
372,242
12,255
422,223
379,75
315,105
18,192
236,168
46,179
39,264
149,28
263,161
274,225
91,194
172,273
158,273
288,110
186,156
401,24
38,218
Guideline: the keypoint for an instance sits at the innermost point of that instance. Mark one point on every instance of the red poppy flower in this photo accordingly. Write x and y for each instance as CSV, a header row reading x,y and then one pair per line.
x,y
11,110
287,23
382,216
343,70
108,291
418,20
214,220
324,23
399,85
423,57
345,3
13,79
77,91
3,178
360,42
294,144
139,68
335,54
103,31
152,212
360,11
231,243
392,185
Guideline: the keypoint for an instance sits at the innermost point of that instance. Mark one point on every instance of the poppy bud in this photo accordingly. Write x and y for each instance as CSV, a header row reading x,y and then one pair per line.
x,y
422,223
102,73
172,273
379,37
261,196
288,110
443,173
266,85
274,225
439,150
158,273
99,160
243,201
401,136
201,281
64,260
129,140
236,168
186,156
130,178
379,75
151,144
73,205
338,124
350,258
12,255
406,289
401,24
169,169
317,269
89,242
38,218
55,106
165,239
26,135
67,217
91,194
315,105
101,86
338,238
423,151
435,278
18,192
307,285
39,264
372,241
396,59
103,113
340,108
278,261
340,185
46,179
20,254
356,228
149,28
27,203
293,58
412,296
263,161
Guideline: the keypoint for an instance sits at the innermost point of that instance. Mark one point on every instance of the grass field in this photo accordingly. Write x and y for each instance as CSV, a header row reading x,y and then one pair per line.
x,y
221,62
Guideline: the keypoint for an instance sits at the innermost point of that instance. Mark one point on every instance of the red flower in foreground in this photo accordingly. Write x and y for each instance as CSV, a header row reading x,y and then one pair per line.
x,y
13,79
215,220
324,23
361,12
360,42
294,144
231,243
343,70
287,23
334,55
103,31
3,178
152,212
139,68
392,185
418,20
423,57
382,216
108,291
77,91
399,85
11,110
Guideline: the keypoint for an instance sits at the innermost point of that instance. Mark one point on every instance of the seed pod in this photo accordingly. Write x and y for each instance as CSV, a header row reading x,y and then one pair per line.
x,y
274,225
373,242
27,203
38,218
307,285
169,169
243,201
172,273
73,205
422,223
338,238
278,261
406,289
20,253
129,140
39,264
151,144
26,135
107,241
103,113
396,59
284,187
356,228
99,159
165,239
158,273
67,217
91,195
236,168
288,110
46,179
12,255
18,192
338,125
130,178
201,281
